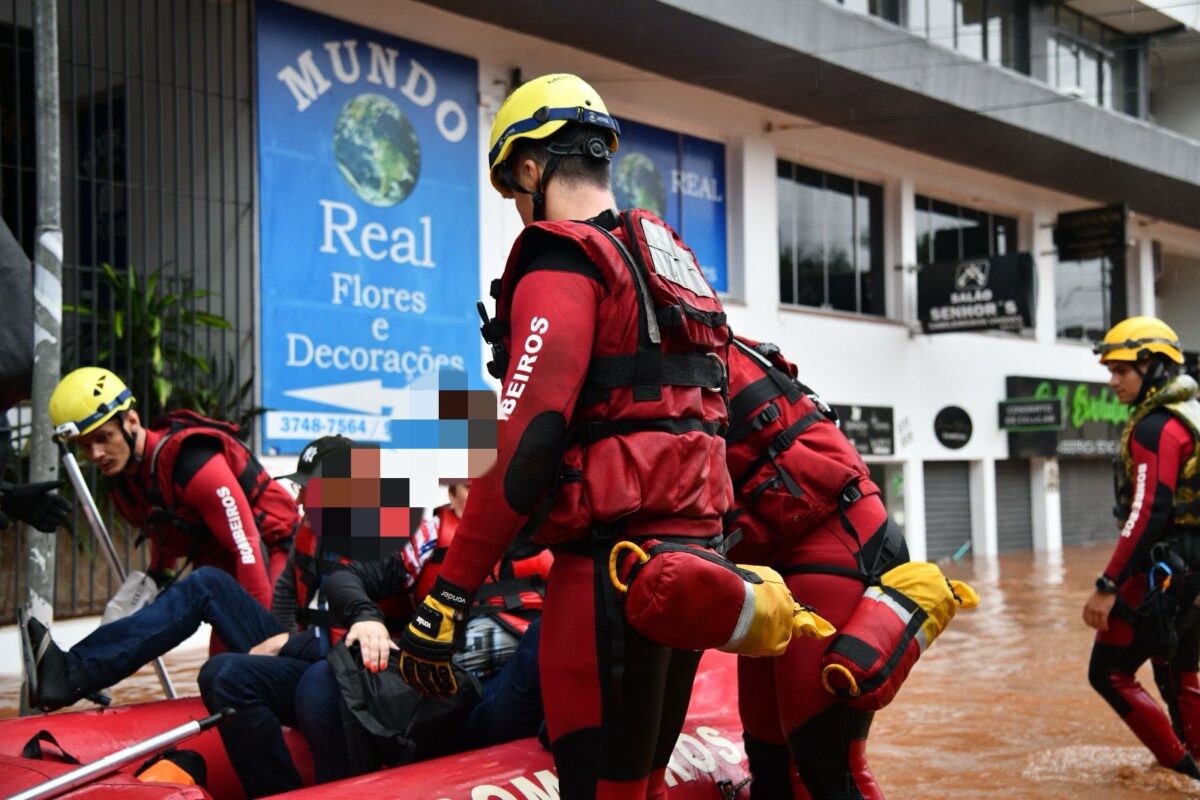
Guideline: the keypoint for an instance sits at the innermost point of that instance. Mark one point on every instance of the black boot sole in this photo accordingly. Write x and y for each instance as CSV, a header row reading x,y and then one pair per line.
x,y
39,693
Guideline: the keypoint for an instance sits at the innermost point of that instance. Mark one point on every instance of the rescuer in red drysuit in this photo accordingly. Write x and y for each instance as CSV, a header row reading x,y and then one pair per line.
x,y
192,487
1158,514
609,432
806,506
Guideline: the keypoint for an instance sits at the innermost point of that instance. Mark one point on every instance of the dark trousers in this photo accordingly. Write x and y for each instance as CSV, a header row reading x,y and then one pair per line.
x,y
511,705
262,689
210,595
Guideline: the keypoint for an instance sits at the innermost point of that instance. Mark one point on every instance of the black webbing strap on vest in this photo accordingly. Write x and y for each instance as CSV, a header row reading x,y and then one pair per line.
x,y
890,539
782,441
676,369
647,371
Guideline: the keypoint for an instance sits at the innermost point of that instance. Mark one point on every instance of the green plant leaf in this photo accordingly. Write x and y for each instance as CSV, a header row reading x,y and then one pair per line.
x,y
213,321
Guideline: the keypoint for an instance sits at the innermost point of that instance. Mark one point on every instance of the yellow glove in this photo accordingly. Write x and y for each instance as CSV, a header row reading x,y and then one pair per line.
x,y
776,617
428,643
807,622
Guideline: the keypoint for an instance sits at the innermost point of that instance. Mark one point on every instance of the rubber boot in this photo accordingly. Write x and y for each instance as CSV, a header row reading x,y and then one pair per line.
x,y
53,690
770,770
1187,765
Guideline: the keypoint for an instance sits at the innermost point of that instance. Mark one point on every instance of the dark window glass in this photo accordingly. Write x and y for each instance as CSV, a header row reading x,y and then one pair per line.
x,y
830,240
946,232
975,242
995,31
1083,298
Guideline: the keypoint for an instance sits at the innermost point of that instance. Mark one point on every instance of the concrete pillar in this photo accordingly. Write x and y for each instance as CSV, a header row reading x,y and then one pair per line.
x,y
983,507
914,508
754,223
1045,264
1046,505
900,217
900,248
1139,278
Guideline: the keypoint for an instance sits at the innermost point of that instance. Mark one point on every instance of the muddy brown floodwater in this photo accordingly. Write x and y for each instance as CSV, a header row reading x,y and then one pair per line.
x,y
999,707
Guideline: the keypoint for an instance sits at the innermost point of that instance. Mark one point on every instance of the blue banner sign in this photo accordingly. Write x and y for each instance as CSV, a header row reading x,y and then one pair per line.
x,y
682,180
368,185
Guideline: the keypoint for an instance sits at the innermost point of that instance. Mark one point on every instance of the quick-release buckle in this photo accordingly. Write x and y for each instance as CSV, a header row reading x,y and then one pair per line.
x,y
766,417
850,495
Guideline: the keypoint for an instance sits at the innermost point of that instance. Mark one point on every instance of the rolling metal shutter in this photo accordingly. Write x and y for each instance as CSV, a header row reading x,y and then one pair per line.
x,y
947,507
1086,485
1014,511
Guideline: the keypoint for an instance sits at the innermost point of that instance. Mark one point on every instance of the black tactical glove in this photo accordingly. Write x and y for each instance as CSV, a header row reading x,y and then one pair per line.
x,y
34,503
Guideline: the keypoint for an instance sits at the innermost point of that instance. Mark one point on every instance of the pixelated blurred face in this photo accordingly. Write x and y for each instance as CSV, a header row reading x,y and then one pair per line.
x,y
458,496
355,511
365,503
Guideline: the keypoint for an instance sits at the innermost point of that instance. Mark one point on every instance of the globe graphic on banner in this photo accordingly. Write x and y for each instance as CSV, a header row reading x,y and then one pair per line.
x,y
638,184
377,150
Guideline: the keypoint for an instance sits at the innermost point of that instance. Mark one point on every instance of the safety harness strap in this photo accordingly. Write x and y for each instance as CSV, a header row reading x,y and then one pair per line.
x,y
671,369
647,373
782,441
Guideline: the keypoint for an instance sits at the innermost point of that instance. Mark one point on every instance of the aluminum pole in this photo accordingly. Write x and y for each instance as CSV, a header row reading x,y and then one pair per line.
x,y
47,303
84,495
110,763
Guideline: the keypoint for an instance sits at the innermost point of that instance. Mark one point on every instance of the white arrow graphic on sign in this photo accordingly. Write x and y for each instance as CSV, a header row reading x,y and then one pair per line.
x,y
372,397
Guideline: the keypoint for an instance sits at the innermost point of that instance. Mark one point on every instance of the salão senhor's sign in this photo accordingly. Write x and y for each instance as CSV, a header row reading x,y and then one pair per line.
x,y
1092,419
368,184
976,294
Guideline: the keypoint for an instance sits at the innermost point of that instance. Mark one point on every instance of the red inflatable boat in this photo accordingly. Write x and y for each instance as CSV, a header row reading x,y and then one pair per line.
x,y
708,762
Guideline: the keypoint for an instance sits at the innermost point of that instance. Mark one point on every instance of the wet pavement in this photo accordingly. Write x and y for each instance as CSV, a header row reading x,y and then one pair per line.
x,y
999,707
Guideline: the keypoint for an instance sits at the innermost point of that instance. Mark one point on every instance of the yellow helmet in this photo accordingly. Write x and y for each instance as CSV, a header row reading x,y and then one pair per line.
x,y
1136,338
539,108
86,399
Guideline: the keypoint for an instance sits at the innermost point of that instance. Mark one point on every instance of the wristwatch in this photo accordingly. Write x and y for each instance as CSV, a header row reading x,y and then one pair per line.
x,y
1105,585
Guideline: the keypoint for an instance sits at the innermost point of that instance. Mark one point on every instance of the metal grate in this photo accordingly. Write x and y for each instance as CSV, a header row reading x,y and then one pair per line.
x,y
159,174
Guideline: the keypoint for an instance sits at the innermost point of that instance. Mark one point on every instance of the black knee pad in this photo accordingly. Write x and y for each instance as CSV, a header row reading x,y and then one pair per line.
x,y
821,749
770,769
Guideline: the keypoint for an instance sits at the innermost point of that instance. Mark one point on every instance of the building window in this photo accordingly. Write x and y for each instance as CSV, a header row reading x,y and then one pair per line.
x,y
884,9
946,232
995,31
830,240
1084,300
1081,61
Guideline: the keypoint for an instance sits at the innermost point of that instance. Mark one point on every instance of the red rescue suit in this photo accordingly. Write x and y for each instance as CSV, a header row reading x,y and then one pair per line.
x,y
220,508
1158,448
614,406
796,474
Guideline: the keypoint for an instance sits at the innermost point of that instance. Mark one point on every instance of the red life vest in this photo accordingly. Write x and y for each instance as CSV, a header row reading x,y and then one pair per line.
x,y
653,403
514,592
178,530
789,461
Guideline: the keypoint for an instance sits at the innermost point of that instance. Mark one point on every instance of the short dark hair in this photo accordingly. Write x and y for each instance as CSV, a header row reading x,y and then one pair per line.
x,y
575,169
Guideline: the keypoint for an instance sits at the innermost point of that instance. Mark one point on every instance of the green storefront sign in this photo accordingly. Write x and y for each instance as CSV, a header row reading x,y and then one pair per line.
x,y
1092,420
